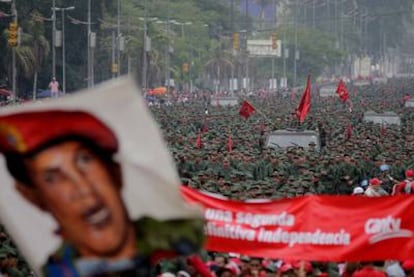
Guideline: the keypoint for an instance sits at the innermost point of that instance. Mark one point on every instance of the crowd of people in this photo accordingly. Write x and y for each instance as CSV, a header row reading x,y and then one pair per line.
x,y
222,265
218,151
355,154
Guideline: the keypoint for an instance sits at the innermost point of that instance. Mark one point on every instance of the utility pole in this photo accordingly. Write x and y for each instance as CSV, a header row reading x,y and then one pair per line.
x,y
63,46
329,16
273,87
341,40
167,51
114,66
313,13
89,45
14,69
119,39
336,19
284,53
245,48
144,52
232,87
296,45
63,54
54,38
304,13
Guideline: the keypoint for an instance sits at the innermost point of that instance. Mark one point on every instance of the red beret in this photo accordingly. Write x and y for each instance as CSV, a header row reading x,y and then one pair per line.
x,y
26,131
375,182
409,173
408,265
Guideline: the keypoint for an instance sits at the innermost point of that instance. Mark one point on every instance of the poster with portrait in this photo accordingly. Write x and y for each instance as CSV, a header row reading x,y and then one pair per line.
x,y
88,186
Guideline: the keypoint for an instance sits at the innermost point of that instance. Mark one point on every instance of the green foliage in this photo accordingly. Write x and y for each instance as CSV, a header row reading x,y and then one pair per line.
x,y
197,43
11,262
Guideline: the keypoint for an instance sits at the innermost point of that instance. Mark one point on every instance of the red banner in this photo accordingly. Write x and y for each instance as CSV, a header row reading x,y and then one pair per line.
x,y
313,228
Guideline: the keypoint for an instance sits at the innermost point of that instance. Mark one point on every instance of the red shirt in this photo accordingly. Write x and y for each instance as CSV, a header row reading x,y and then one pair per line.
x,y
369,271
401,188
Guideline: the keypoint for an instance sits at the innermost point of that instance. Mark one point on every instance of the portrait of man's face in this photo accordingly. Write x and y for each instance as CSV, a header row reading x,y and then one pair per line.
x,y
70,206
82,192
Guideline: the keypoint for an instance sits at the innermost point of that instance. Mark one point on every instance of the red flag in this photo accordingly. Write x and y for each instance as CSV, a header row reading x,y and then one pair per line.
x,y
246,110
305,102
199,143
342,91
230,143
349,131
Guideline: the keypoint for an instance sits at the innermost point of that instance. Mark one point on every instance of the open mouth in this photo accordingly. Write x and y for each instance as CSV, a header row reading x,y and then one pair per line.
x,y
97,216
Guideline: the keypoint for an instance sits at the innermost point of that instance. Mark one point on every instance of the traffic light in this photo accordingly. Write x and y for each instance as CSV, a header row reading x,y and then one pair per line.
x,y
274,41
236,41
13,34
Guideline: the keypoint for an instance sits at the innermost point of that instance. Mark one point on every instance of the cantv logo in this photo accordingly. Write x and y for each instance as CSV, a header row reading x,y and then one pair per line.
x,y
385,228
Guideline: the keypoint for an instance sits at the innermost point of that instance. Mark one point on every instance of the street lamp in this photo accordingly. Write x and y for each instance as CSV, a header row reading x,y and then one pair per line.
x,y
90,63
112,27
91,47
54,39
182,25
168,51
147,48
63,45
119,38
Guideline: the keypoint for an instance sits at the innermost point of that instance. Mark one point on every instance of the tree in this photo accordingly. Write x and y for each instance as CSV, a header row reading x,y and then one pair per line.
x,y
39,44
310,43
25,59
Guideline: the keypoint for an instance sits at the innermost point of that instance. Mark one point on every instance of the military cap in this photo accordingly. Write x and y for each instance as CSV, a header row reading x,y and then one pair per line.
x,y
23,132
